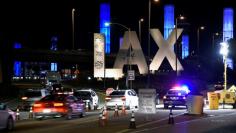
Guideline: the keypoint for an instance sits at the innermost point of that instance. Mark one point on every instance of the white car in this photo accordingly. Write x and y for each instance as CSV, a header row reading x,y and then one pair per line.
x,y
128,98
88,96
7,118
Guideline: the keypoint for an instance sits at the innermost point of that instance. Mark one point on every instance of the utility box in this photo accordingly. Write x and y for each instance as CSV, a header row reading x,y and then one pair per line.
x,y
195,104
213,100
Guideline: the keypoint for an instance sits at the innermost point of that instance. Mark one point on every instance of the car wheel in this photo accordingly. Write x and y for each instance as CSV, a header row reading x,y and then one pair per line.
x,y
10,124
82,115
69,114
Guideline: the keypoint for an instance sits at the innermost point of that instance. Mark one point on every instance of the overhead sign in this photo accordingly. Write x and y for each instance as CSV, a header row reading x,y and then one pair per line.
x,y
131,75
99,55
147,98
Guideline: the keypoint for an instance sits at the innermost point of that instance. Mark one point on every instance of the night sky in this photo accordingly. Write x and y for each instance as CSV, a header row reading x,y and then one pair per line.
x,y
32,23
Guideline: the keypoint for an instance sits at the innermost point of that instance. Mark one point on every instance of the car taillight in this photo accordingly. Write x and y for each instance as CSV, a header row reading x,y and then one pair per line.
x,y
123,98
164,97
24,98
37,105
58,104
108,98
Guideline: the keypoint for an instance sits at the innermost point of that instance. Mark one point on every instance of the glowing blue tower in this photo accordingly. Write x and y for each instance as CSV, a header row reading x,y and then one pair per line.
x,y
169,21
54,40
17,64
185,46
104,18
228,21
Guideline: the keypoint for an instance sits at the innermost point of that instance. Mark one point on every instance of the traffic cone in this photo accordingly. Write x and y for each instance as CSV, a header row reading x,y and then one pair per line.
x,y
100,118
86,106
31,113
116,114
105,112
123,109
104,120
171,118
132,124
17,114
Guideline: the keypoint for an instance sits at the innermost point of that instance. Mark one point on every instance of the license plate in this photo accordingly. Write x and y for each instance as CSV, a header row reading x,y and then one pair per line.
x,y
46,110
174,98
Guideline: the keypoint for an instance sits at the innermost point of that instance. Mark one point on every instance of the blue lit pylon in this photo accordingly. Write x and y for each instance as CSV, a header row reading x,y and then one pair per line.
x,y
104,18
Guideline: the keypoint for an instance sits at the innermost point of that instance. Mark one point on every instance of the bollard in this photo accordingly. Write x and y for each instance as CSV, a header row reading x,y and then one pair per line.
x,y
123,109
116,113
171,118
132,124
17,114
104,120
31,113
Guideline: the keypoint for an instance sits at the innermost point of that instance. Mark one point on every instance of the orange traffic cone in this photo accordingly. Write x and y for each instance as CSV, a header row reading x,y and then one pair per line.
x,y
132,124
116,114
103,121
123,109
105,112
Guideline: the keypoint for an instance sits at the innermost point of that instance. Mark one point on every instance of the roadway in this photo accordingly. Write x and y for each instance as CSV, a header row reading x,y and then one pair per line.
x,y
212,121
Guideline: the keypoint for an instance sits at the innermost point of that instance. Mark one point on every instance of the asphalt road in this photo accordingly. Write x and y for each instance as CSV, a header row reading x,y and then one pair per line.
x,y
212,121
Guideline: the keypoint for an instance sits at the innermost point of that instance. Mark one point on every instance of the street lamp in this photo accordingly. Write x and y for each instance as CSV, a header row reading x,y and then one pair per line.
x,y
139,27
176,44
149,23
129,60
224,51
73,28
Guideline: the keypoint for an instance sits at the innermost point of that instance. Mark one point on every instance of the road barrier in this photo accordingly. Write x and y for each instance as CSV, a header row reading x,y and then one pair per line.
x,y
132,124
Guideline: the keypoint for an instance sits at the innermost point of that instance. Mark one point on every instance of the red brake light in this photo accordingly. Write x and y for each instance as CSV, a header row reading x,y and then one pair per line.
x,y
37,105
58,104
123,98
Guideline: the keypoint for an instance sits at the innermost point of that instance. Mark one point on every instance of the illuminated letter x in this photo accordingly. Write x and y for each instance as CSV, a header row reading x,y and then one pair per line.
x,y
165,49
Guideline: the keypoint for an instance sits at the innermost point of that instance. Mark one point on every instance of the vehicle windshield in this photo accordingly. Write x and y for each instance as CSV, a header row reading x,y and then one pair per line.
x,y
114,93
33,94
176,92
54,98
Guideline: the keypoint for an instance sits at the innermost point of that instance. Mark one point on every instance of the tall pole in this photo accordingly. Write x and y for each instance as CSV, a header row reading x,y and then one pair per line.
x,y
149,22
176,46
73,28
130,58
139,30
225,73
198,41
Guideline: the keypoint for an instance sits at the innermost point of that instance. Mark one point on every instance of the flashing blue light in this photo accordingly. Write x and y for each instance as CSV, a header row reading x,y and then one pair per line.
x,y
17,64
185,46
169,21
228,30
186,88
104,24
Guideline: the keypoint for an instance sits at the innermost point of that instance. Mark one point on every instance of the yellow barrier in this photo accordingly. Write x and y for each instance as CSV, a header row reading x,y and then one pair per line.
x,y
213,100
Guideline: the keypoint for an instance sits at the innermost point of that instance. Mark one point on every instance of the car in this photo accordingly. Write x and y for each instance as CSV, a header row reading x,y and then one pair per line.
x,y
7,118
176,96
32,95
119,98
88,96
58,105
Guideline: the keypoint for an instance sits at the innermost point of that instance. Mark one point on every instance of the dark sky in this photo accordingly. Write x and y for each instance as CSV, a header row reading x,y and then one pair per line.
x,y
34,22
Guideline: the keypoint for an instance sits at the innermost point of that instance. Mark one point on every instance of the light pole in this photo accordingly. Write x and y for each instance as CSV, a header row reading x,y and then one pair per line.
x,y
224,51
176,44
139,29
198,38
129,60
73,28
149,23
